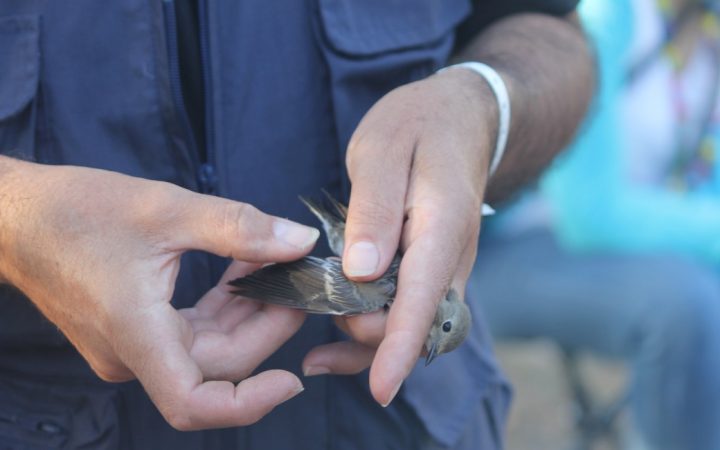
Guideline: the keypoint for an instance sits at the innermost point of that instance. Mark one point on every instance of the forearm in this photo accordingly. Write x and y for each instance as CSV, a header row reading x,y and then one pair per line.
x,y
9,204
546,64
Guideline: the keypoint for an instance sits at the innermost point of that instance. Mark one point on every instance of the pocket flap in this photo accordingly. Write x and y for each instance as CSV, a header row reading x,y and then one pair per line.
x,y
20,62
368,27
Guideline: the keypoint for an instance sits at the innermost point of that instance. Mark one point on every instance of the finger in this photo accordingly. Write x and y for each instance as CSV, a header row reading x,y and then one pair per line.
x,y
235,270
231,312
235,312
156,350
339,358
341,322
465,266
238,230
218,404
367,329
234,355
426,272
379,166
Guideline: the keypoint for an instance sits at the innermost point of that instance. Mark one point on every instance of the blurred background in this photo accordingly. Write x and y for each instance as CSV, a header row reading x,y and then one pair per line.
x,y
600,283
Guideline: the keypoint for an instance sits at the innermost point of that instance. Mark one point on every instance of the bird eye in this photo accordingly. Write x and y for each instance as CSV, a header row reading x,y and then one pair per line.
x,y
447,326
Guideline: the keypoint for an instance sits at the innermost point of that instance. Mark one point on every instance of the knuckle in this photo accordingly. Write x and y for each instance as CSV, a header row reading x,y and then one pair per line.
x,y
104,375
356,147
373,213
368,151
108,373
236,217
156,204
234,214
453,229
464,230
176,406
368,330
362,141
241,404
178,420
450,252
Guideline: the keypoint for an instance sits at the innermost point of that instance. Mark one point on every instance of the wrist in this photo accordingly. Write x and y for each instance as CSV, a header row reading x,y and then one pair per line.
x,y
482,108
501,92
15,176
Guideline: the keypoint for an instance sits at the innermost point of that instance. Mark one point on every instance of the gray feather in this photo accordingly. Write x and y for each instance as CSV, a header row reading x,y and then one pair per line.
x,y
319,286
332,214
340,209
314,285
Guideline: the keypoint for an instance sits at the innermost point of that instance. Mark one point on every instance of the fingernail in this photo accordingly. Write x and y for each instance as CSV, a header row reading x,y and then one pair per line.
x,y
295,234
392,396
362,259
311,371
297,390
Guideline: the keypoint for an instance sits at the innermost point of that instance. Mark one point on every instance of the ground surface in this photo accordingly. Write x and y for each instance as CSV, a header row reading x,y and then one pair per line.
x,y
541,418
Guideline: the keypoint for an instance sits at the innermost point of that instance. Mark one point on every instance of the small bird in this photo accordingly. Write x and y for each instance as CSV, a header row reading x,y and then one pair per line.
x,y
318,285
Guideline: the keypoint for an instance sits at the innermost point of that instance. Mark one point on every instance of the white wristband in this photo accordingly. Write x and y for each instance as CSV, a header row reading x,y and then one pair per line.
x,y
503,100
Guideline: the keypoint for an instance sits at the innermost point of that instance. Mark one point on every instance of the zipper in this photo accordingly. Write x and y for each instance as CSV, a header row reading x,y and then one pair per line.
x,y
208,169
205,62
205,173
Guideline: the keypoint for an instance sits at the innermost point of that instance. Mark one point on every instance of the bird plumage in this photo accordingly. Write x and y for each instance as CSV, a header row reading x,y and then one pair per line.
x,y
318,285
332,217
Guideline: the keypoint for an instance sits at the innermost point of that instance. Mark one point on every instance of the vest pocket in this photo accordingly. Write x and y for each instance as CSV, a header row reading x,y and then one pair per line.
x,y
48,414
370,27
19,80
373,46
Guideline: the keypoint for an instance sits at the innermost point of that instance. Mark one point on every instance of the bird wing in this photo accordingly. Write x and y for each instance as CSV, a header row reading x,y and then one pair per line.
x,y
340,209
311,284
331,210
332,214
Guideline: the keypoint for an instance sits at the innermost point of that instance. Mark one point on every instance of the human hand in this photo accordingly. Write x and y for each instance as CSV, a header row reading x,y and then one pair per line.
x,y
418,162
99,253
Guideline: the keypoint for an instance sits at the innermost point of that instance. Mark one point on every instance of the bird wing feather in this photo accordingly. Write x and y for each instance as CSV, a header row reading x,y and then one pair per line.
x,y
332,214
310,284
340,209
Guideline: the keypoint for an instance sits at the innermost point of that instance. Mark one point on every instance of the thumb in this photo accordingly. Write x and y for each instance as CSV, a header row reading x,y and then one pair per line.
x,y
375,216
239,230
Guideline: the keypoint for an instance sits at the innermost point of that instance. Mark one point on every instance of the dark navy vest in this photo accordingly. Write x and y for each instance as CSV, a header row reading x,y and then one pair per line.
x,y
96,83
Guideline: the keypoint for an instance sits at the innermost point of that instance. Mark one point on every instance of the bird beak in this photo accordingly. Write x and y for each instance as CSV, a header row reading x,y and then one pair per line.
x,y
431,355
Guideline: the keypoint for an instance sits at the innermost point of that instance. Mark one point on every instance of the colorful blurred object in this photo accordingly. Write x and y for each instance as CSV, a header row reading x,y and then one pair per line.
x,y
618,248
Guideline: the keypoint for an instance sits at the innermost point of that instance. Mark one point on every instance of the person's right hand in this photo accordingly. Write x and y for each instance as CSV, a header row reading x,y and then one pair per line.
x,y
99,253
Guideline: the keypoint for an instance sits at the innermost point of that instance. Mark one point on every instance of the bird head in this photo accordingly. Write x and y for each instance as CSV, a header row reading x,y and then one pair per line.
x,y
450,327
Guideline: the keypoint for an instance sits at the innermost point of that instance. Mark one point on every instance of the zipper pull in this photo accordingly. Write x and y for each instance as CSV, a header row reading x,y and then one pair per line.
x,y
207,179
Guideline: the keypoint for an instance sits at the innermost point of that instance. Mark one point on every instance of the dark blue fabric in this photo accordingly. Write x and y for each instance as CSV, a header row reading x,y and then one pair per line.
x,y
90,83
19,80
444,395
488,11
20,58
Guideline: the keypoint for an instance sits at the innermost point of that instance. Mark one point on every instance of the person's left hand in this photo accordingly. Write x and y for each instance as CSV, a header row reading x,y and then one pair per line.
x,y
231,336
418,162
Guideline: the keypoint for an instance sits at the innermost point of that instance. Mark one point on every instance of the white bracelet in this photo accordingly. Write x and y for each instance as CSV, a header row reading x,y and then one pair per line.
x,y
503,100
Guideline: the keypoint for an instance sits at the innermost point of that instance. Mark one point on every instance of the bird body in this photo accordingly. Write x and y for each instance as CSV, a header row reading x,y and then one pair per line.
x,y
318,285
